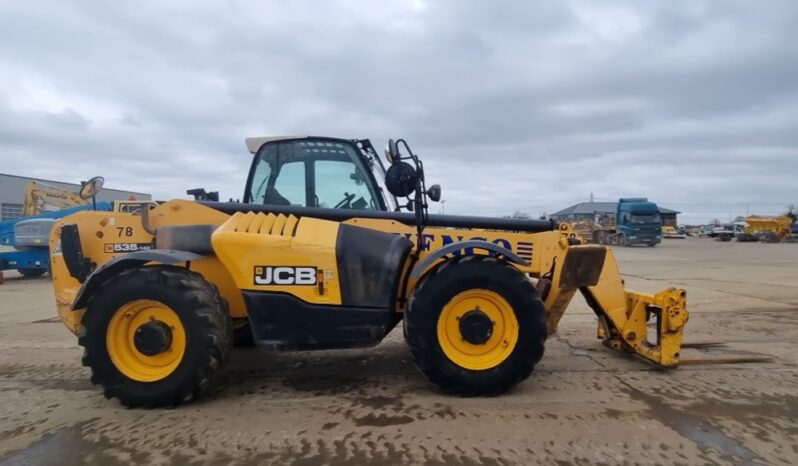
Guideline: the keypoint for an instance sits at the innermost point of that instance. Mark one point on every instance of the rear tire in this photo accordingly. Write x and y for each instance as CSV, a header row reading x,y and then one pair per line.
x,y
201,340
431,302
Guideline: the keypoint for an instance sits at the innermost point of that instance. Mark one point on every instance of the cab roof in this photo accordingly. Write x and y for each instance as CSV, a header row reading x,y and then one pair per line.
x,y
254,144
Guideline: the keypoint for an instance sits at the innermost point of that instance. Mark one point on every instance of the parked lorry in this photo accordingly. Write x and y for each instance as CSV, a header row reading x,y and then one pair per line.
x,y
635,221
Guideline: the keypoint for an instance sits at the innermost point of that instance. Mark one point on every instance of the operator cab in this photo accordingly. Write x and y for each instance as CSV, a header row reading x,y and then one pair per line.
x,y
317,172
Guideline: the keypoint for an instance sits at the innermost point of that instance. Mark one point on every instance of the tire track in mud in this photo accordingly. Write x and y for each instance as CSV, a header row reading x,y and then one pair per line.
x,y
352,420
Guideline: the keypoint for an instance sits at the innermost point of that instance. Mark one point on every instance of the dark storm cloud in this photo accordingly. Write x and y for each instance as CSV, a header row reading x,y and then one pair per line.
x,y
515,105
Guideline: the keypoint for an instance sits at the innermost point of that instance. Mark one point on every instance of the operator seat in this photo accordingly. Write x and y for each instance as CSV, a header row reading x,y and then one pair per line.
x,y
273,197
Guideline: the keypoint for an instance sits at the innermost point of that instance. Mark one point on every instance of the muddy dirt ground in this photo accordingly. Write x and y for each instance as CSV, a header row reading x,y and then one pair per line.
x,y
583,404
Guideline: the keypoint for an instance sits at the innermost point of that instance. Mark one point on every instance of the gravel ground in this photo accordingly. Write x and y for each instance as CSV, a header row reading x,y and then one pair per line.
x,y
583,405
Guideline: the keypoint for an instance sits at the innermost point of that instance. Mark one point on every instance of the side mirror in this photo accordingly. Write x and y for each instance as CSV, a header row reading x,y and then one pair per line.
x,y
434,193
91,188
401,179
392,151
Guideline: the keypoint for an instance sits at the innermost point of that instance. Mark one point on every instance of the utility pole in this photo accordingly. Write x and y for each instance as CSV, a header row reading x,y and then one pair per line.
x,y
591,197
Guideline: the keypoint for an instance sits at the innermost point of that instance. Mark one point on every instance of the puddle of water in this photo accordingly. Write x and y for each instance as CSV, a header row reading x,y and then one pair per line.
x,y
67,446
381,420
696,428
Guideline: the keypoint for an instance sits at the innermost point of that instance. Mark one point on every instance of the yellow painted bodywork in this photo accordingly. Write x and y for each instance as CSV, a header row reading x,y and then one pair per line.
x,y
248,241
245,240
624,315
103,235
123,352
501,342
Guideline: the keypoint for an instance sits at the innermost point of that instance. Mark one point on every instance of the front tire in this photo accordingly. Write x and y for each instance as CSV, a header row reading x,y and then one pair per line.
x,y
156,336
476,326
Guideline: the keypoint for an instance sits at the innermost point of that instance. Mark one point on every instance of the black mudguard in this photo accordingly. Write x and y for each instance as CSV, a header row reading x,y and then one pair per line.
x,y
492,248
121,263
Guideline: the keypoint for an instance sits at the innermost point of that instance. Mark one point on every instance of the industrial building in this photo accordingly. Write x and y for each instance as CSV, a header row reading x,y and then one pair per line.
x,y
588,210
13,189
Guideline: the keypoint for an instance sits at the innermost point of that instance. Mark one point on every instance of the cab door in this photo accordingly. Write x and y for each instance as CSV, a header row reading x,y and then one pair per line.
x,y
313,172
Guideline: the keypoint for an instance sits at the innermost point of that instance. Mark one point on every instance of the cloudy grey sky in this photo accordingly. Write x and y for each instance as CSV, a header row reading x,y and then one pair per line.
x,y
513,105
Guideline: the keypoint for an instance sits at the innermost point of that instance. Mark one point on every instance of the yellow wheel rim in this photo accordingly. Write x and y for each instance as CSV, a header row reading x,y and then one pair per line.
x,y
498,346
122,348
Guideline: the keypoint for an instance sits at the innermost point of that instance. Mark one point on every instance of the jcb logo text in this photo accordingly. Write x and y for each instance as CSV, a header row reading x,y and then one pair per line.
x,y
284,275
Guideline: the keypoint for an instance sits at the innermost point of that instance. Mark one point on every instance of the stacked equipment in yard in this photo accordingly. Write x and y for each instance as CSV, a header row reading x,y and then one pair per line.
x,y
766,229
42,198
584,228
672,233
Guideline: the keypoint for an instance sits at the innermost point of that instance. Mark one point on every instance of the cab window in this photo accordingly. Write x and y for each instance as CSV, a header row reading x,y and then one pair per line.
x,y
332,176
290,185
311,173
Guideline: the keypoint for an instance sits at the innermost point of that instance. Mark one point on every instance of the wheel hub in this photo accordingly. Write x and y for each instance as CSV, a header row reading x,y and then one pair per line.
x,y
153,337
476,327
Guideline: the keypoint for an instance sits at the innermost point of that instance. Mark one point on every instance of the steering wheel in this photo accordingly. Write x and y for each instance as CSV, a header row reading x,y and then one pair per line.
x,y
345,202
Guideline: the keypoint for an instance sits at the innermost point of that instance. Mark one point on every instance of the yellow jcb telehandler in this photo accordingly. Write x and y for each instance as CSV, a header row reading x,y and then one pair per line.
x,y
328,250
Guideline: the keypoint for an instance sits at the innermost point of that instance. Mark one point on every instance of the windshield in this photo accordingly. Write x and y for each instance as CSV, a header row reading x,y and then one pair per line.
x,y
312,173
641,219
